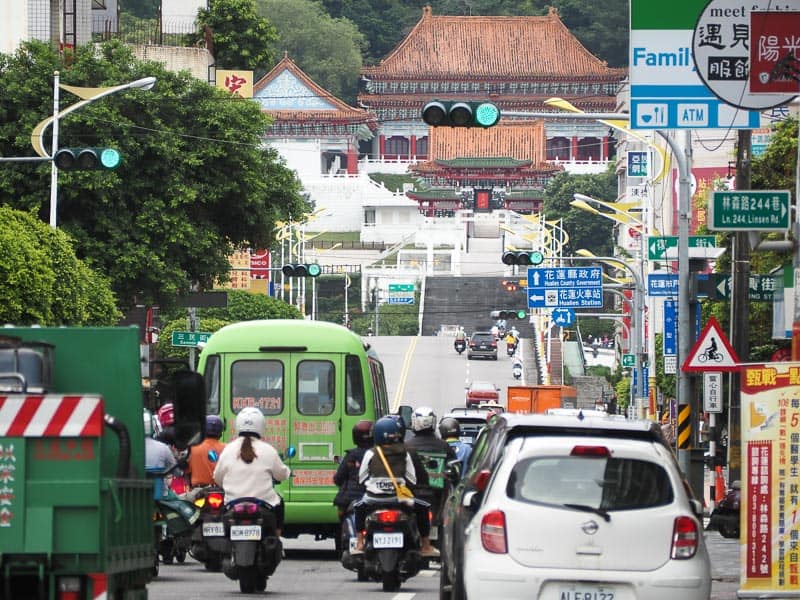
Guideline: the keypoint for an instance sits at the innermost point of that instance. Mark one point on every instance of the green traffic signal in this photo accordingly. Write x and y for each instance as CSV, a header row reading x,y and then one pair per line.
x,y
509,314
301,270
440,113
87,159
523,258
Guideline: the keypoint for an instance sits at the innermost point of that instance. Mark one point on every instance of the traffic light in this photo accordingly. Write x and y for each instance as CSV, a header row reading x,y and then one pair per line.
x,y
87,159
509,315
524,258
301,270
439,113
510,286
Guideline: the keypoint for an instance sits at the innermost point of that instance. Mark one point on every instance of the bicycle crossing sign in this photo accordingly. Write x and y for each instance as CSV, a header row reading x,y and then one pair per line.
x,y
712,351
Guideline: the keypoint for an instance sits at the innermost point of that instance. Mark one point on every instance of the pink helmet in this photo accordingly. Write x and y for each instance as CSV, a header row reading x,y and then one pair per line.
x,y
166,415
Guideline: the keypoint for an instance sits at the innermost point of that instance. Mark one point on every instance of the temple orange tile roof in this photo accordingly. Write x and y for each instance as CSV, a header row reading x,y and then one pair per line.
x,y
483,47
288,94
521,140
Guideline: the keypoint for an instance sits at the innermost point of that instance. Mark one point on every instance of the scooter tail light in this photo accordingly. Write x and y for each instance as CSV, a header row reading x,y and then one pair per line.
x,y
388,516
245,508
200,502
685,538
215,499
493,532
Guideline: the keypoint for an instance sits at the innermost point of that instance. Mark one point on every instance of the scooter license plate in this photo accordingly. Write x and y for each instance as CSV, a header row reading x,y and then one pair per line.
x,y
241,533
387,540
213,530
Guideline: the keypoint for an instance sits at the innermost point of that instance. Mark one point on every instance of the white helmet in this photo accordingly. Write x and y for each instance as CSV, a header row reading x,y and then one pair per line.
x,y
151,425
250,420
423,419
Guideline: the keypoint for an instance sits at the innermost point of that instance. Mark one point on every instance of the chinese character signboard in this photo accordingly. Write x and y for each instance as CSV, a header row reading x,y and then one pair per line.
x,y
723,45
638,165
774,39
239,83
770,469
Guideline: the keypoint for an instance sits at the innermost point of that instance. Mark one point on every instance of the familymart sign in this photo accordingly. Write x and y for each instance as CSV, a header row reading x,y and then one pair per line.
x,y
666,91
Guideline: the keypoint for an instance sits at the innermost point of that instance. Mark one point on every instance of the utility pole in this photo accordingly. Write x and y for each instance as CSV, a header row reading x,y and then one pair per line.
x,y
740,308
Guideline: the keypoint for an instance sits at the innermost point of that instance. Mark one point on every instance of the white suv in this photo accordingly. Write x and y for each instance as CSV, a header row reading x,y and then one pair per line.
x,y
585,508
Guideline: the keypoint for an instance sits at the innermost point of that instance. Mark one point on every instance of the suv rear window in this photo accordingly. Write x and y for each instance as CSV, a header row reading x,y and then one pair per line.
x,y
601,483
482,337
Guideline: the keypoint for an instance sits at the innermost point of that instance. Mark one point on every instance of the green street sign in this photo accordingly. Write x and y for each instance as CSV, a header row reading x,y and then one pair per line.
x,y
628,360
401,287
747,210
658,246
189,339
760,288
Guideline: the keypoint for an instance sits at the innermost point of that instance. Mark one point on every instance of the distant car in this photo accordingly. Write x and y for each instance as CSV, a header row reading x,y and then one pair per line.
x,y
554,506
482,344
481,392
471,422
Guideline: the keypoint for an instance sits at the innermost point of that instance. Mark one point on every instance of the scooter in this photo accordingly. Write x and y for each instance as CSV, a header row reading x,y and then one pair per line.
x,y
348,543
174,519
209,543
255,549
516,370
511,348
460,345
392,546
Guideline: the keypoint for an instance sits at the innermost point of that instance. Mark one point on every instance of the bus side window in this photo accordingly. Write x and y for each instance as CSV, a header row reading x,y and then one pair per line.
x,y
212,384
378,389
354,386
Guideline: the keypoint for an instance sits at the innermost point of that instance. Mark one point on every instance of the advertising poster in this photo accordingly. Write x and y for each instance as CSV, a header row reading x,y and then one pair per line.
x,y
770,505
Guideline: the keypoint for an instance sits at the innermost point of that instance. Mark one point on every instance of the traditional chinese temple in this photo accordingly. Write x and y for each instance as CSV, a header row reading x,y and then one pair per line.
x,y
310,118
516,62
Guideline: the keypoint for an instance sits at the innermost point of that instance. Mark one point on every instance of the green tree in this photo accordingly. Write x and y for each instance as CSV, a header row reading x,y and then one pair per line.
x,y
585,230
775,169
327,49
45,283
241,39
195,184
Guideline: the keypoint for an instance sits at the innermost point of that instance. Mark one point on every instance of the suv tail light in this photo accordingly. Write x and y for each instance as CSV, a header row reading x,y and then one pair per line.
x,y
493,532
482,479
684,538
591,451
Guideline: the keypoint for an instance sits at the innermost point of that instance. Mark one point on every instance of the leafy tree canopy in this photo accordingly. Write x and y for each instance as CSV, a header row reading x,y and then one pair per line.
x,y
195,183
45,283
241,39
327,49
585,230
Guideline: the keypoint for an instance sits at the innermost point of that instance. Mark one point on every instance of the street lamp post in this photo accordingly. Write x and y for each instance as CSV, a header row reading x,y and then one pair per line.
x,y
88,95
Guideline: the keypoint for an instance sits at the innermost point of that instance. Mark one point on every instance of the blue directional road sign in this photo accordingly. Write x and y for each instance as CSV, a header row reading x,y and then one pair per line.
x,y
563,317
670,327
565,287
662,284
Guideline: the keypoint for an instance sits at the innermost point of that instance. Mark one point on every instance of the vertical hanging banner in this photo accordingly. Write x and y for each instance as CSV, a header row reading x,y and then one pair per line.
x,y
770,505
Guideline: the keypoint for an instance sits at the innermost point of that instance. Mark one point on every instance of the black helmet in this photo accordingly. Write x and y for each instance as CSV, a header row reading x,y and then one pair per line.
x,y
362,434
449,427
214,426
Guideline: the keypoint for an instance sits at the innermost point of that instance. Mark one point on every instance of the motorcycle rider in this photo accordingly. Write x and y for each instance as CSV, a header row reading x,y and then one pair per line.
x,y
380,489
157,455
249,466
203,457
450,430
423,424
346,476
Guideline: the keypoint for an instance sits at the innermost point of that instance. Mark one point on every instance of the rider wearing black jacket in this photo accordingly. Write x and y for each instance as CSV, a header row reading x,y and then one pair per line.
x,y
425,441
346,477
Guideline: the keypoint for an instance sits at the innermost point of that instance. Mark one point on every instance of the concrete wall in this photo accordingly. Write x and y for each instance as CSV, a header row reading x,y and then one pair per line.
x,y
194,60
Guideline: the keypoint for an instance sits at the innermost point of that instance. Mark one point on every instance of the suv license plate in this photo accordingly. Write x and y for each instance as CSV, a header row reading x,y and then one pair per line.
x,y
387,540
245,533
213,530
587,593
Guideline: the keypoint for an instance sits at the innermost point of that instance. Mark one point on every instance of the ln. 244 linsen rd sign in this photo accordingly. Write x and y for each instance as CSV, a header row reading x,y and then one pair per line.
x,y
745,210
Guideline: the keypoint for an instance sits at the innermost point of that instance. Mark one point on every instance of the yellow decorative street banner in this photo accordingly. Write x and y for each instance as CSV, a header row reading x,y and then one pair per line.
x,y
770,505
236,82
